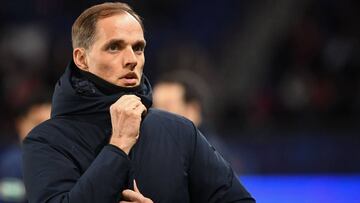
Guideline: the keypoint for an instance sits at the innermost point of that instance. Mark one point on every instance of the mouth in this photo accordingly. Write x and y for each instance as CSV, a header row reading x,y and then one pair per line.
x,y
129,79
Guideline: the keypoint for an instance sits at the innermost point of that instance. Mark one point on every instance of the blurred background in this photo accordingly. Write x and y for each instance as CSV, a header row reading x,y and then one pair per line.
x,y
282,81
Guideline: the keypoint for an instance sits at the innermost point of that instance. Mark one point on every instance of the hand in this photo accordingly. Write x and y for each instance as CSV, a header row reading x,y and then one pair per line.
x,y
125,119
134,196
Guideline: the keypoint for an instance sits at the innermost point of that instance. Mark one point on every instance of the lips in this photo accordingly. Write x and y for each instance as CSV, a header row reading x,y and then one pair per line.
x,y
129,79
130,75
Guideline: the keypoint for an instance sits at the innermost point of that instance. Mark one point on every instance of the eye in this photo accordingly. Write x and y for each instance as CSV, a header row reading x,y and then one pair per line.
x,y
138,48
113,47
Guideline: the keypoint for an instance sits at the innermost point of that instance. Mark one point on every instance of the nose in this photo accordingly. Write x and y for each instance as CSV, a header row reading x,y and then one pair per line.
x,y
130,60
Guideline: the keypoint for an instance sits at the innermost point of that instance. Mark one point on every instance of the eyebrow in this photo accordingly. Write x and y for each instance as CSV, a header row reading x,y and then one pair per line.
x,y
122,42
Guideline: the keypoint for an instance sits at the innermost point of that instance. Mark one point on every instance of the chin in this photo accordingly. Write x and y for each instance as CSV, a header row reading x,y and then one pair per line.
x,y
128,85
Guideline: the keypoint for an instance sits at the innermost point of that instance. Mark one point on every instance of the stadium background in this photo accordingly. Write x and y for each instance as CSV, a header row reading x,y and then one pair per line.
x,y
284,76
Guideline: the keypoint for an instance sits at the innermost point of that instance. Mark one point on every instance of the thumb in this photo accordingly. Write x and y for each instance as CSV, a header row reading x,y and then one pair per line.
x,y
136,189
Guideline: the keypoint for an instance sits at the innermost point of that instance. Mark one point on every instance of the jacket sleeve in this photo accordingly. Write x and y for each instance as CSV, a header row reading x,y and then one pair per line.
x,y
211,177
53,177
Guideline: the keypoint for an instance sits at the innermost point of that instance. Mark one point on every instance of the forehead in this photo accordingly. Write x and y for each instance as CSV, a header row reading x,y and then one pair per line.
x,y
119,26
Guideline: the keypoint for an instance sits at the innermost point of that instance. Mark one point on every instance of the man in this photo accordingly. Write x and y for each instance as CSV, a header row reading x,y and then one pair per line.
x,y
28,115
182,92
104,143
185,93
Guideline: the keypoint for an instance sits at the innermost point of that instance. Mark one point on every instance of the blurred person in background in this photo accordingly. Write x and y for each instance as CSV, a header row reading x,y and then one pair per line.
x,y
185,93
103,134
28,115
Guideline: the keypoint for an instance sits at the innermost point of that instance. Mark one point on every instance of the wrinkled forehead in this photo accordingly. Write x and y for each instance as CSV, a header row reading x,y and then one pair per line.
x,y
121,25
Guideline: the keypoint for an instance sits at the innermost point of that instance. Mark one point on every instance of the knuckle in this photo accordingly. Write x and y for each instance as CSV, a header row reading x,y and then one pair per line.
x,y
117,109
127,113
133,113
114,109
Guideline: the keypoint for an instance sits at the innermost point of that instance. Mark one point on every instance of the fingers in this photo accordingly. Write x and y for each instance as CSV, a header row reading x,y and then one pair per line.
x,y
131,102
132,195
140,109
128,98
136,189
135,195
127,103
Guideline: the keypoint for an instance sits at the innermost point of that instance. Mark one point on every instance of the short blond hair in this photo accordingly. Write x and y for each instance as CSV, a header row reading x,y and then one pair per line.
x,y
84,28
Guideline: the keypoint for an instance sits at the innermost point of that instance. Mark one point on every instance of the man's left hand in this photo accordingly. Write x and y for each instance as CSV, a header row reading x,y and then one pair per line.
x,y
134,196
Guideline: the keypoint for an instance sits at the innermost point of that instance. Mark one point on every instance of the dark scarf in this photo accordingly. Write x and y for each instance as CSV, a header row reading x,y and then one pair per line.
x,y
79,93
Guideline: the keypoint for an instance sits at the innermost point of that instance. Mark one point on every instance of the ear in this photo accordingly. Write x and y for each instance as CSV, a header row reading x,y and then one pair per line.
x,y
79,56
194,106
194,112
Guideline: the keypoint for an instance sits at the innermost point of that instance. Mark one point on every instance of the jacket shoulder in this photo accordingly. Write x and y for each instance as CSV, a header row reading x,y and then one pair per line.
x,y
46,129
164,117
62,131
167,125
51,128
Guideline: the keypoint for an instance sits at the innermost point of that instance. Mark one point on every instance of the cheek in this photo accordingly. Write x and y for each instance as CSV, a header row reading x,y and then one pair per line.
x,y
104,64
141,62
103,69
100,67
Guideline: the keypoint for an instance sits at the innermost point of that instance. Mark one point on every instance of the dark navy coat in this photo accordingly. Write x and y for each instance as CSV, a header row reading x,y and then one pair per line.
x,y
68,158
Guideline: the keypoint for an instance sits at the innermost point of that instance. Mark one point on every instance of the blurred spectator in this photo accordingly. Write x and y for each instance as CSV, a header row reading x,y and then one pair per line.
x,y
30,114
185,93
